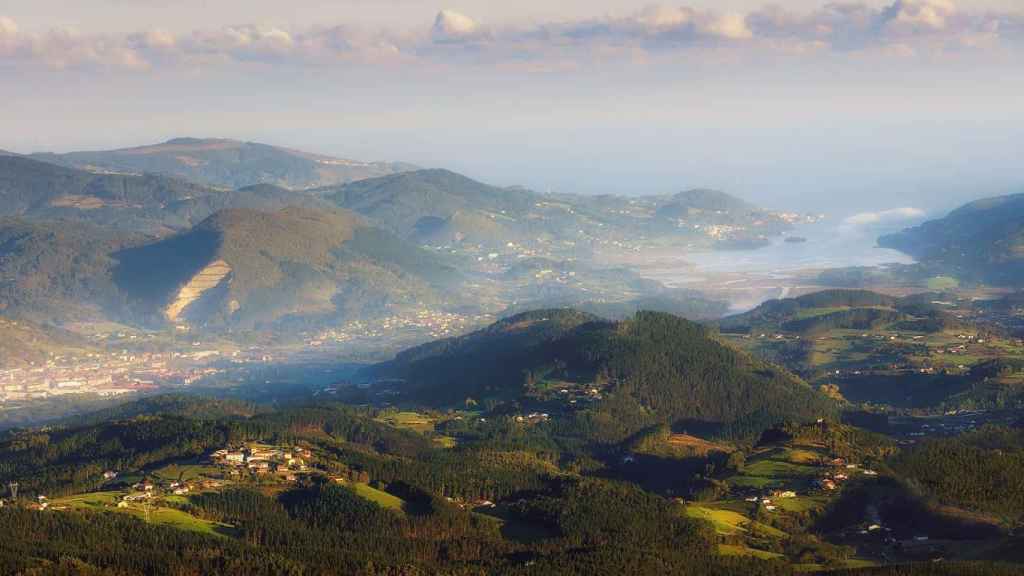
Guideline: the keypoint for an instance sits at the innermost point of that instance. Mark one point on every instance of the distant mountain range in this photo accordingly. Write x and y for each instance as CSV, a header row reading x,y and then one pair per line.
x,y
444,209
981,241
227,164
119,235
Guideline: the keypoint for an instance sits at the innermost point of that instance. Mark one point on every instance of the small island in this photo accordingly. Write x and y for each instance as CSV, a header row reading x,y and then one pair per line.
x,y
796,240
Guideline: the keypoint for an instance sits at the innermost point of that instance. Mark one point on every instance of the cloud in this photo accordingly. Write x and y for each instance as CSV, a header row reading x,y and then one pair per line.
x,y
901,27
8,36
884,217
453,27
919,14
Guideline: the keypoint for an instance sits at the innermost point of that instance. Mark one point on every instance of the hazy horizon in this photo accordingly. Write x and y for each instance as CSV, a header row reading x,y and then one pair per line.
x,y
847,108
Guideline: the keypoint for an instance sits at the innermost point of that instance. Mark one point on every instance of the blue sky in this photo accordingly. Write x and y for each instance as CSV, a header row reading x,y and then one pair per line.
x,y
863,106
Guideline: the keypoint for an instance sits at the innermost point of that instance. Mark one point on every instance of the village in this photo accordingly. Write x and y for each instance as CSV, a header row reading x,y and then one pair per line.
x,y
412,325
168,487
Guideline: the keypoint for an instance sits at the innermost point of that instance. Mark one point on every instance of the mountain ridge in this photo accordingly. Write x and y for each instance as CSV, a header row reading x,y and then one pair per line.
x,y
982,241
228,163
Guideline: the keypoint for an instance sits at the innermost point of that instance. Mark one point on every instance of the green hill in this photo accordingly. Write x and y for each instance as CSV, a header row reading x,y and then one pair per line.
x,y
840,309
654,368
246,268
228,164
166,405
981,241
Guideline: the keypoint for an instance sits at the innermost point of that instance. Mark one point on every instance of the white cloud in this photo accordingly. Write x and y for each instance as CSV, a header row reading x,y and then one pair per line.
x,y
730,26
919,14
661,17
453,27
899,29
893,215
8,36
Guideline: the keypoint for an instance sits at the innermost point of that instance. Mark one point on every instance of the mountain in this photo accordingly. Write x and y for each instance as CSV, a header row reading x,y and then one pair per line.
x,y
440,207
445,209
653,368
228,164
981,241
148,203
245,268
685,204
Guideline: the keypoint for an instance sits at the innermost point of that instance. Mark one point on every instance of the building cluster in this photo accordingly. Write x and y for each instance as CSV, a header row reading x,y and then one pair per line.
x,y
839,471
260,460
769,502
110,374
422,322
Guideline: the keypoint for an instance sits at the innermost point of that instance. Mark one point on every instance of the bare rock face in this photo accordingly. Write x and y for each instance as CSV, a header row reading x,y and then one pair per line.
x,y
210,277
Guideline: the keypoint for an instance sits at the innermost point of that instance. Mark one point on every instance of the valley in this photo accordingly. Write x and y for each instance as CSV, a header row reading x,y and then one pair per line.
x,y
659,384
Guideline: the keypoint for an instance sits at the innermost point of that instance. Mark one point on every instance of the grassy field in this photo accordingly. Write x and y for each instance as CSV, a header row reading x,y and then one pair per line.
x,y
163,515
801,504
381,498
779,468
728,522
185,472
736,550
420,423
410,421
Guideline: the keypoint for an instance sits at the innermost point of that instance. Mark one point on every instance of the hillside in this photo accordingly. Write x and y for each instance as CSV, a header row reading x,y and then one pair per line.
x,y
228,164
246,268
437,206
928,352
982,241
24,343
654,368
827,310
442,208
58,271
855,309
146,203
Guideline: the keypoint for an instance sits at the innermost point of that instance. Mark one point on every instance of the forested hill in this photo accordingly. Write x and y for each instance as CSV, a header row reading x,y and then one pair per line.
x,y
981,241
370,497
58,270
840,309
228,163
247,267
654,368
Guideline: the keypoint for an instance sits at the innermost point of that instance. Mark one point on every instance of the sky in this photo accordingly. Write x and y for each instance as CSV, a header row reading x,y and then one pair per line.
x,y
893,109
